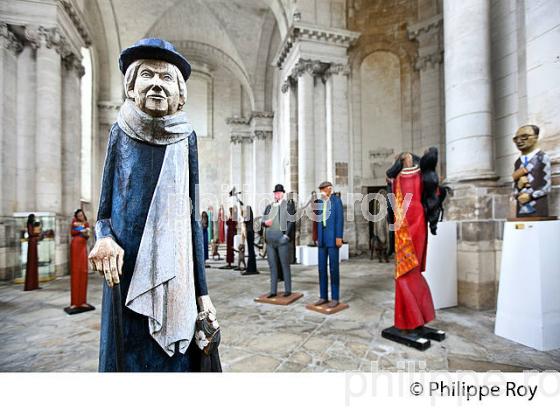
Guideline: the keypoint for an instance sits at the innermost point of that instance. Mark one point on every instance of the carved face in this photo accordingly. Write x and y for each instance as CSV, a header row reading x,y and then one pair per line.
x,y
156,89
326,191
525,139
278,195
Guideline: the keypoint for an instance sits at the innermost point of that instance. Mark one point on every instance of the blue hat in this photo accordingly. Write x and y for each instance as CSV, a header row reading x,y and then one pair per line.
x,y
154,49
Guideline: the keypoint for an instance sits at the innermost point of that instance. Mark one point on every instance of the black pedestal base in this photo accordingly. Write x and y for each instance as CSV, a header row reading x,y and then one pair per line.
x,y
78,309
412,338
433,334
226,267
247,273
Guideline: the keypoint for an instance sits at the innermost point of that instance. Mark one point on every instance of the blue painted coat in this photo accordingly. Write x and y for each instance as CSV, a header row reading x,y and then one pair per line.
x,y
130,175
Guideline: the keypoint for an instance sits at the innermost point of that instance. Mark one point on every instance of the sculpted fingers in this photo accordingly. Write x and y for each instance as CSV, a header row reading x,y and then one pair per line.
x,y
107,271
113,268
120,261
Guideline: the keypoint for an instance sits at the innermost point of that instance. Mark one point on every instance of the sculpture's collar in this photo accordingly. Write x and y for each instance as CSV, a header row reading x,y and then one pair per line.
x,y
153,130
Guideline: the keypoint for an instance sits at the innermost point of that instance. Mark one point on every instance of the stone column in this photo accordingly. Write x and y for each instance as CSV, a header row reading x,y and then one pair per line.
x,y
236,161
259,165
306,130
26,84
468,93
469,150
320,132
71,133
9,48
48,149
337,140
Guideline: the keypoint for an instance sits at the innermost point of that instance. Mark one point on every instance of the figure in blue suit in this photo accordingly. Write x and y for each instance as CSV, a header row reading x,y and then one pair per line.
x,y
330,229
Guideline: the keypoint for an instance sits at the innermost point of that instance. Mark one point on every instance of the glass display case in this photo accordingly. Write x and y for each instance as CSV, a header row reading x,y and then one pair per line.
x,y
46,245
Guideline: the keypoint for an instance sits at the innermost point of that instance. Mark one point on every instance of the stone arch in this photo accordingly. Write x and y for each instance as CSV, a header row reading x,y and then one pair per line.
x,y
409,84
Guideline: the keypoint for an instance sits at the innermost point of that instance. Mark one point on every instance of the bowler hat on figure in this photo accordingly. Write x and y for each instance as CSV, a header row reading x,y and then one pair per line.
x,y
325,184
154,49
279,188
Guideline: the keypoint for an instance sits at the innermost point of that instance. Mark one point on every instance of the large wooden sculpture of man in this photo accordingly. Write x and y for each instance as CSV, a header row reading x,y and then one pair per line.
x,y
148,238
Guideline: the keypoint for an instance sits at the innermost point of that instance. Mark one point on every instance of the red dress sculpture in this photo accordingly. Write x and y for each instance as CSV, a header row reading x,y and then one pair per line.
x,y
32,266
221,226
79,230
417,205
78,263
413,300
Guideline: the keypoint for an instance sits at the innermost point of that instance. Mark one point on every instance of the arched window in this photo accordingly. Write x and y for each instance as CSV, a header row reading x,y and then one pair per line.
x,y
86,151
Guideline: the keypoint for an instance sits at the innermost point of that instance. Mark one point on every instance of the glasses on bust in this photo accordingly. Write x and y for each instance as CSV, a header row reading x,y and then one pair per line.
x,y
522,137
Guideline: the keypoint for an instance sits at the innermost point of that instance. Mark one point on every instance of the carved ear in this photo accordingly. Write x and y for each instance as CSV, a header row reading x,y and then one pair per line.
x,y
182,101
130,93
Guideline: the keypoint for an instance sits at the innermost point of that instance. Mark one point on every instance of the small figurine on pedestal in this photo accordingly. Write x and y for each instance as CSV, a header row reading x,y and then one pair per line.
x,y
330,231
221,225
380,230
80,231
32,265
279,225
532,174
231,231
214,247
204,221
414,178
250,232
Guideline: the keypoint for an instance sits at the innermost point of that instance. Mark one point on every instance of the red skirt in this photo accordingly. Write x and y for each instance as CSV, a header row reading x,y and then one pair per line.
x,y
414,306
78,271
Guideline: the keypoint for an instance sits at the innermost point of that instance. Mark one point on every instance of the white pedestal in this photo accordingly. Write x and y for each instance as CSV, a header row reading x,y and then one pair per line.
x,y
308,255
528,309
441,265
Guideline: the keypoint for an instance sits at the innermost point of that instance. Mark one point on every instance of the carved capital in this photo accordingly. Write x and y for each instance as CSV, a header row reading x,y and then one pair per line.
x,y
74,63
8,40
336,69
426,27
241,138
287,84
428,61
262,135
51,38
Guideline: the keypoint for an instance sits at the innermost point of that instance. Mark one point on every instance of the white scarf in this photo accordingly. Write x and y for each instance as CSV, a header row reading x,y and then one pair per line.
x,y
162,285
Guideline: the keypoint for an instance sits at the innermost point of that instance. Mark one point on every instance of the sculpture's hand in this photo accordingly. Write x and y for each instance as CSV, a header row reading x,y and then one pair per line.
x,y
107,258
519,173
524,198
522,182
338,242
268,223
